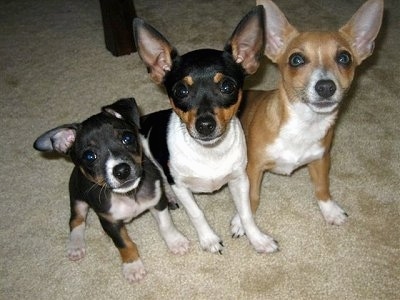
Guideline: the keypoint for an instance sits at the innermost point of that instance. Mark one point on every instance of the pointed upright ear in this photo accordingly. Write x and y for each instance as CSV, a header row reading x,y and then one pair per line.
x,y
278,31
59,139
247,41
124,109
154,50
363,28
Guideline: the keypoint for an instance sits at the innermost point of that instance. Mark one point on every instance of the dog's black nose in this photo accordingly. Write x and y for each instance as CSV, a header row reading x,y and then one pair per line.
x,y
205,125
325,88
122,171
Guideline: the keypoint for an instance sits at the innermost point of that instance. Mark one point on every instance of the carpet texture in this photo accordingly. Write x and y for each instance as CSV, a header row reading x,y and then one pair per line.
x,y
55,69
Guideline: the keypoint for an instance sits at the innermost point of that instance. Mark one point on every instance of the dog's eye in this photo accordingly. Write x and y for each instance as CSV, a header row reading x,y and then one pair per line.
x,y
344,58
227,86
89,156
128,138
181,90
296,60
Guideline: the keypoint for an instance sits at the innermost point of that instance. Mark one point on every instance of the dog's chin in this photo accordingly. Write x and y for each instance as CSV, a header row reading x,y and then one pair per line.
x,y
127,187
208,141
324,106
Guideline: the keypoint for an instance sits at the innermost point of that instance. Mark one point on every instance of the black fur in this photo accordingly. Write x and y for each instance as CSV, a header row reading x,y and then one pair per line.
x,y
108,157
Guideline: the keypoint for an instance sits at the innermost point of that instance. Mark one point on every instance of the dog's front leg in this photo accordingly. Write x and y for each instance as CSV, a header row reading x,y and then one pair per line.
x,y
76,245
208,239
176,241
239,188
319,173
132,266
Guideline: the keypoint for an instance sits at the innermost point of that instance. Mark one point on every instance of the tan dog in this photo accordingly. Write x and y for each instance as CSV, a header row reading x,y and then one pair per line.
x,y
293,126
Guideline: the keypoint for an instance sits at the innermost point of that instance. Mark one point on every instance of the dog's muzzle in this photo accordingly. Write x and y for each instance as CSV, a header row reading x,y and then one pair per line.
x,y
326,97
206,129
125,177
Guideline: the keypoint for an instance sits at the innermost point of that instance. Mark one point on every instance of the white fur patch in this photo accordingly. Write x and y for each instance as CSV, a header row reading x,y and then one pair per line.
x,y
125,208
299,139
134,271
332,212
261,242
204,169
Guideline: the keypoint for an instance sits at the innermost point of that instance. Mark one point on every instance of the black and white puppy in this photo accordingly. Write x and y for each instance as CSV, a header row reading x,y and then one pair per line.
x,y
115,179
199,144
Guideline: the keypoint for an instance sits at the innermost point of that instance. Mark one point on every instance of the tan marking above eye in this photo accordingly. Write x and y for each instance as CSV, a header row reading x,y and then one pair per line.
x,y
218,77
188,80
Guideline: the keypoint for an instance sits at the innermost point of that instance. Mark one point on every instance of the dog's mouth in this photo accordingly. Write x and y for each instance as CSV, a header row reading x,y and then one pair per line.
x,y
324,106
207,140
127,186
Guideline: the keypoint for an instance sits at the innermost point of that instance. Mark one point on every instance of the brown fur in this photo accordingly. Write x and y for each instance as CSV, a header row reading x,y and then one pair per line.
x,y
266,112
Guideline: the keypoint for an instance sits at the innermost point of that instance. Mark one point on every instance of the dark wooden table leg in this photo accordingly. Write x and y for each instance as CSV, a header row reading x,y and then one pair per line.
x,y
117,18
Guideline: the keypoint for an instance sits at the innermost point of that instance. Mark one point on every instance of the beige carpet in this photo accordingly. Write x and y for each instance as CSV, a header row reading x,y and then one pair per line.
x,y
55,69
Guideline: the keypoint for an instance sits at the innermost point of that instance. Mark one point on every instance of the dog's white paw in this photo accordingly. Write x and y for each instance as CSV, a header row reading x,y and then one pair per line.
x,y
178,244
332,212
263,243
211,243
75,252
237,227
134,271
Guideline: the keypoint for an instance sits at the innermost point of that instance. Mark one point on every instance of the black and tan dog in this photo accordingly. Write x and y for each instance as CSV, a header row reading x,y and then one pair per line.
x,y
293,126
199,144
115,179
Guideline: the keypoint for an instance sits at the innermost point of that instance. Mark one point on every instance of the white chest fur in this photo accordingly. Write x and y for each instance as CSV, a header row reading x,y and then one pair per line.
x,y
125,207
206,168
299,140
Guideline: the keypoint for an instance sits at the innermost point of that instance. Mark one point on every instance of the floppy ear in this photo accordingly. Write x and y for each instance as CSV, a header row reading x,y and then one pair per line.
x,y
124,109
247,41
278,31
363,28
59,139
154,50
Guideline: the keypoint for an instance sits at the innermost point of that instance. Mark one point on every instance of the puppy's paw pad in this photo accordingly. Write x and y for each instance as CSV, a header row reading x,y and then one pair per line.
x,y
237,227
332,212
179,245
265,244
134,271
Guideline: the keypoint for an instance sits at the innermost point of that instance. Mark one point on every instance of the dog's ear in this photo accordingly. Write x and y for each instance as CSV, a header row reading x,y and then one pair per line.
x,y
247,41
124,109
154,50
363,28
278,31
59,139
